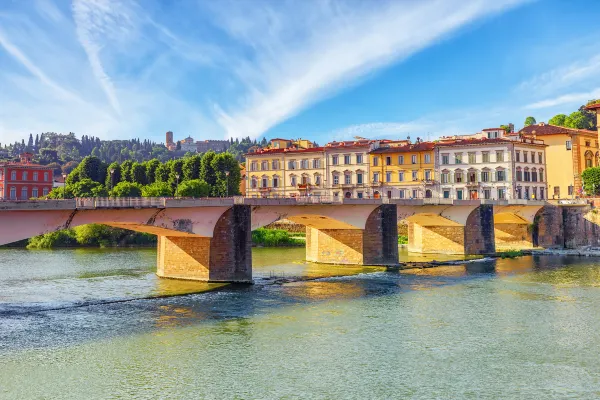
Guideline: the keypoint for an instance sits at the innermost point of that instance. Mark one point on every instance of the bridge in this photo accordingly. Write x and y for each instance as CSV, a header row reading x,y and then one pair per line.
x,y
210,239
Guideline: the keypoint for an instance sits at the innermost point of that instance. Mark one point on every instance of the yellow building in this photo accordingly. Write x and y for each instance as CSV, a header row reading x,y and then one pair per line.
x,y
405,172
264,173
569,152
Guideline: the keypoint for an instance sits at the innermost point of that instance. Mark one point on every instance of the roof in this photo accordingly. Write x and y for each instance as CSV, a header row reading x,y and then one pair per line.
x,y
492,129
593,106
20,164
423,146
263,152
484,141
547,129
287,140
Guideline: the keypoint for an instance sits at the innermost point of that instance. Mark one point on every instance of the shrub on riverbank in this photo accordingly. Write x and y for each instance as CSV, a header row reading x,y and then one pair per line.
x,y
510,254
402,239
274,237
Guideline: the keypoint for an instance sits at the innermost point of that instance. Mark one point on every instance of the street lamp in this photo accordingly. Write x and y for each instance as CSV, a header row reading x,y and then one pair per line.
x,y
112,182
177,185
64,184
227,181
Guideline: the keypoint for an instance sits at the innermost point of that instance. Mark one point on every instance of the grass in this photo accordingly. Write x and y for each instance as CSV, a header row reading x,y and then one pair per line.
x,y
274,238
510,254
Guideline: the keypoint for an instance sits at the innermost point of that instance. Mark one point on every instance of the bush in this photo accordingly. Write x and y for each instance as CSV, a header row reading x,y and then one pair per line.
x,y
157,189
126,189
274,237
510,254
91,235
402,239
193,188
62,238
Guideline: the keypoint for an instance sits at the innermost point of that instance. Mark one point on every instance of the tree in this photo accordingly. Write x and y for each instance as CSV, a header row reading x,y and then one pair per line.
x,y
93,168
577,120
30,143
207,173
151,167
591,180
60,193
138,173
226,185
157,189
126,189
558,120
162,173
113,179
175,171
125,170
194,188
191,167
529,121
88,188
506,128
589,115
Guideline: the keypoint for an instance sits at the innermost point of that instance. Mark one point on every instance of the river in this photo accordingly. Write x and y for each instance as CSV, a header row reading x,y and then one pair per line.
x,y
87,324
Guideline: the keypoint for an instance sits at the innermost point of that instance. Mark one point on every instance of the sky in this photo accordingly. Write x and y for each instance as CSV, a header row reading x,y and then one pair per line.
x,y
318,69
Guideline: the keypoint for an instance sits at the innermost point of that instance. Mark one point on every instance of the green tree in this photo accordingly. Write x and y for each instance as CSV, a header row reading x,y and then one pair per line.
x,y
226,185
92,168
577,120
558,120
191,167
591,180
151,167
162,173
138,173
60,193
506,128
126,170
207,172
157,189
529,121
126,189
175,170
113,179
194,188
88,188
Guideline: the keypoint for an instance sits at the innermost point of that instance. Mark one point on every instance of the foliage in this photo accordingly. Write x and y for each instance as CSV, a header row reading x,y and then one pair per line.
x,y
191,167
157,189
88,188
580,119
126,170
193,188
402,239
274,237
137,173
577,120
113,179
591,180
62,238
151,167
510,254
127,189
175,172
207,172
226,185
60,193
90,235
529,121
558,120
506,128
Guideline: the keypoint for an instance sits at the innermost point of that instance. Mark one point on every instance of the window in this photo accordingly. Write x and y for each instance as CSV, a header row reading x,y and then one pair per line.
x,y
376,177
13,193
375,161
359,178
401,193
264,165
541,175
347,179
517,156
534,175
471,158
445,177
588,143
457,158
347,159
359,160
485,157
34,192
526,192
316,163
359,195
253,184
275,181
458,177
292,164
525,156
534,193
499,156
427,158
24,193
541,193
472,177
46,177
389,194
275,164
388,176
336,179
317,180
446,194
414,159
13,175
487,194
519,174
415,194
459,194
400,176
445,159
253,166
557,191
415,175
500,176
540,158
35,177
526,175
265,182
570,190
388,160
400,160
25,177
501,193
303,164
293,181
427,174
568,145
485,176
335,160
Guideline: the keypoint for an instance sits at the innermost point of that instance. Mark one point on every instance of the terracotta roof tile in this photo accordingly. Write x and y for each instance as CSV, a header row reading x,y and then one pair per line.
x,y
423,146
547,129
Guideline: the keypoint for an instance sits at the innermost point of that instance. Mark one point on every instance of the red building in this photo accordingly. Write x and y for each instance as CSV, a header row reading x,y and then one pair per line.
x,y
24,180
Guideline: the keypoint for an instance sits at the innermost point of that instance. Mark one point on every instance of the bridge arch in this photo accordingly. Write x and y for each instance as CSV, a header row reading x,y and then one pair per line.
x,y
515,226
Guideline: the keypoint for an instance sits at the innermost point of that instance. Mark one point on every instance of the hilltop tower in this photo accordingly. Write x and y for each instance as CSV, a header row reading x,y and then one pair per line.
x,y
169,138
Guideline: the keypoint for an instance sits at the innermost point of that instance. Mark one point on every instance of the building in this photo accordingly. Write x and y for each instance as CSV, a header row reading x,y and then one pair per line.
x,y
496,169
347,168
405,171
169,141
569,152
243,180
214,145
23,180
189,145
488,133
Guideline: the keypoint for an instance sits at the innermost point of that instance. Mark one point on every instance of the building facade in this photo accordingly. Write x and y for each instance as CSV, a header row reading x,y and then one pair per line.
x,y
494,169
24,180
406,171
347,165
569,152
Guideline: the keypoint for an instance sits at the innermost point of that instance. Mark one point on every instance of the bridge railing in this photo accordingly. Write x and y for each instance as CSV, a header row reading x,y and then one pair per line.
x,y
121,202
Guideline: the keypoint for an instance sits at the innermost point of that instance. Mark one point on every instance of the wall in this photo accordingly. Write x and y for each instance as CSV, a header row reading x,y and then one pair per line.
x,y
352,169
407,185
559,164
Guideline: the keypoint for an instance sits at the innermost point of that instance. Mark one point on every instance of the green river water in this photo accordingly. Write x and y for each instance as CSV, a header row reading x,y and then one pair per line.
x,y
91,324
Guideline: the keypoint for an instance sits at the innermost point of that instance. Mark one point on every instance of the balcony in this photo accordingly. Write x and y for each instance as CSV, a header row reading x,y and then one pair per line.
x,y
428,182
376,183
472,184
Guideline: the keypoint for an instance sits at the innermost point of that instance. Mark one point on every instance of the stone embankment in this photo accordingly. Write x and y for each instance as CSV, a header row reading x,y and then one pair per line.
x,y
587,251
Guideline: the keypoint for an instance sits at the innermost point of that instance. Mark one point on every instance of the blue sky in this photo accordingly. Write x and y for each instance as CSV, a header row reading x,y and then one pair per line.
x,y
323,70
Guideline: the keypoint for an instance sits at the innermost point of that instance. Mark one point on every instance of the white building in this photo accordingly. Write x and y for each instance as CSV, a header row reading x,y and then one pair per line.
x,y
497,169
348,169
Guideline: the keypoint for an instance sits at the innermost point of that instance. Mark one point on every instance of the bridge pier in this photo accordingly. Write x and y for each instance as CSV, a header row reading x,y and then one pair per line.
x,y
224,257
377,244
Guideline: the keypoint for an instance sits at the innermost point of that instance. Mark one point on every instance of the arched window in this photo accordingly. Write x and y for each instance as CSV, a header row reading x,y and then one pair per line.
x,y
519,174
428,194
534,175
254,183
541,175
589,159
24,193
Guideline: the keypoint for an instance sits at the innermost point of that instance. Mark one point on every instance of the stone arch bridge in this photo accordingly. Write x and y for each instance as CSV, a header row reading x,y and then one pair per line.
x,y
210,239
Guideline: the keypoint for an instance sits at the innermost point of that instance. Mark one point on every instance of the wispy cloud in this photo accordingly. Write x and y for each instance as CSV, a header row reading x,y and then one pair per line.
x,y
330,48
566,99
